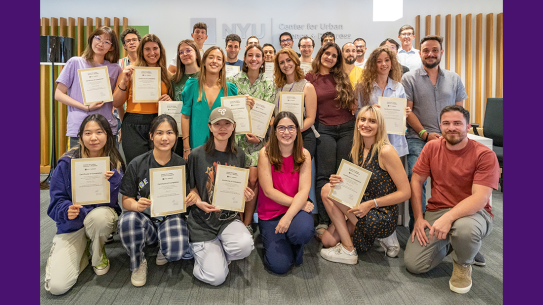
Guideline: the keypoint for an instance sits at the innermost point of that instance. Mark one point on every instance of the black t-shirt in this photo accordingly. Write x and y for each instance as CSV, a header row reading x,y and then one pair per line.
x,y
136,180
201,174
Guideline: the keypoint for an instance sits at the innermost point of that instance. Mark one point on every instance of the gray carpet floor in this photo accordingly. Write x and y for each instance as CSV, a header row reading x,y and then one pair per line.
x,y
376,279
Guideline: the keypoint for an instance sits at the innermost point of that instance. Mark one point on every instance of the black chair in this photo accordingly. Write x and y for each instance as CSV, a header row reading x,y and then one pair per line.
x,y
493,128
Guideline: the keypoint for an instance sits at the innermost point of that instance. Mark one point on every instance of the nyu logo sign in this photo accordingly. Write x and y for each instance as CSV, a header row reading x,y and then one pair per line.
x,y
226,30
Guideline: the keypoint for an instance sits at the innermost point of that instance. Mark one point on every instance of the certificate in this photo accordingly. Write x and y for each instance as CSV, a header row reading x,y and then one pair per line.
x,y
260,117
230,184
238,105
167,186
95,85
355,180
172,108
293,102
393,110
231,70
305,66
89,183
146,85
268,71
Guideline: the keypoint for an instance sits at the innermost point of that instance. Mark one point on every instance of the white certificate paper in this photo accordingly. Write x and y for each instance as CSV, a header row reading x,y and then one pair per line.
x,y
146,85
268,71
305,66
260,117
89,183
238,105
293,102
95,85
172,108
230,184
355,180
393,110
231,70
167,186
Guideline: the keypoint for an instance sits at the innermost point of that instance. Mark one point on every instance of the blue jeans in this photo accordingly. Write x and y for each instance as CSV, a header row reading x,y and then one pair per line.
x,y
284,249
415,147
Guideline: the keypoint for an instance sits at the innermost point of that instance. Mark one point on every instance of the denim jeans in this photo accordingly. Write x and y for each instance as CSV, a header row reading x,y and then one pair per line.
x,y
334,144
415,147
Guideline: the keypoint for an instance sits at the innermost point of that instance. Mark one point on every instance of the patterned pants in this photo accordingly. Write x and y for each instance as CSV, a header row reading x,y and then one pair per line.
x,y
378,223
137,230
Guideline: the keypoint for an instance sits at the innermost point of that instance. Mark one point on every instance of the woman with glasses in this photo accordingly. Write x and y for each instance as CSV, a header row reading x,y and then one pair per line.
x,y
284,170
217,237
188,66
335,118
102,50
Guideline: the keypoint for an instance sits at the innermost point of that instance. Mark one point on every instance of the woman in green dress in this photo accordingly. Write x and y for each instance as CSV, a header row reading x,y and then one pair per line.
x,y
251,81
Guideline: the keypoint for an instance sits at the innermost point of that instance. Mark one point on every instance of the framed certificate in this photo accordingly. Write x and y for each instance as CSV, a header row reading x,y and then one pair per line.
x,y
231,70
172,108
293,102
260,117
95,85
393,110
305,66
355,180
230,184
146,85
268,73
167,186
238,105
89,183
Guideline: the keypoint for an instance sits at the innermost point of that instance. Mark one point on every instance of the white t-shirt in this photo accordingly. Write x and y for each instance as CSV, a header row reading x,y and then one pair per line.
x,y
361,64
410,59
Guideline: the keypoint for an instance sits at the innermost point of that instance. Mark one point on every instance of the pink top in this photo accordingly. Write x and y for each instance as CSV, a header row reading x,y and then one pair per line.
x,y
286,182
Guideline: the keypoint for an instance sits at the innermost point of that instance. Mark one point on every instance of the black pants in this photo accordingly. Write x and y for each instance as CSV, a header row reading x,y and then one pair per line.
x,y
135,135
310,141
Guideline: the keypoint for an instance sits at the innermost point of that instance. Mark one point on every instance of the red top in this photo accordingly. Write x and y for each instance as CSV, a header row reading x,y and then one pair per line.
x,y
286,182
454,172
327,107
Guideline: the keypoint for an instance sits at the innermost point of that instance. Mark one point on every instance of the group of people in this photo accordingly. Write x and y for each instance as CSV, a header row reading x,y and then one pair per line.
x,y
341,120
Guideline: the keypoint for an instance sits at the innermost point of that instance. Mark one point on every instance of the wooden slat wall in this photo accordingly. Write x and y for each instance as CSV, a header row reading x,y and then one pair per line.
x,y
98,22
116,30
448,42
499,56
80,37
458,45
428,26
438,25
45,103
417,32
478,65
488,59
467,61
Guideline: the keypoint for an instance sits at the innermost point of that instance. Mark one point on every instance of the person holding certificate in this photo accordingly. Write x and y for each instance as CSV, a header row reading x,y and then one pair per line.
x,y
200,96
76,223
382,77
136,226
188,66
102,51
138,116
289,77
217,237
334,121
377,214
286,224
251,82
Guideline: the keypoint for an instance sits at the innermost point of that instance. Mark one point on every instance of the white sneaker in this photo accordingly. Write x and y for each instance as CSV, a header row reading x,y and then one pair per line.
x,y
139,276
390,244
160,259
339,254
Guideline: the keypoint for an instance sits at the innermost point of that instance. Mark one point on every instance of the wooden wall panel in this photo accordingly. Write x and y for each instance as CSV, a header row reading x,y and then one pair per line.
x,y
458,45
98,22
428,26
63,28
125,26
499,56
107,22
417,32
438,25
448,42
467,61
71,28
54,26
80,35
478,66
44,103
89,28
489,53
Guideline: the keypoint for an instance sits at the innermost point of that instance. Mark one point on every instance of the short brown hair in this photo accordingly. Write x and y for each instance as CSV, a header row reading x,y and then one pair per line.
x,y
232,37
458,108
247,42
392,41
199,25
433,37
406,27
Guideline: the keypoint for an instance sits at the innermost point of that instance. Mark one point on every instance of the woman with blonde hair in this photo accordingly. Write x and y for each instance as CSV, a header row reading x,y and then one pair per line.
x,y
377,214
138,117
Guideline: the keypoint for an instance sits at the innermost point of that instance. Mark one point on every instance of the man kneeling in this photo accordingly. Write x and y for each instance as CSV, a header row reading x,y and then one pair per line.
x,y
458,215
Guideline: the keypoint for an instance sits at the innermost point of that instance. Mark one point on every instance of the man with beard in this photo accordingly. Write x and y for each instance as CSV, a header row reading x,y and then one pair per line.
x,y
407,55
327,37
306,45
428,89
459,215
392,44
360,45
349,58
233,42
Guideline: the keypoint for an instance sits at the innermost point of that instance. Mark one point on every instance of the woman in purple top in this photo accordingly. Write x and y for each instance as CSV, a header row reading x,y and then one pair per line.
x,y
335,118
102,50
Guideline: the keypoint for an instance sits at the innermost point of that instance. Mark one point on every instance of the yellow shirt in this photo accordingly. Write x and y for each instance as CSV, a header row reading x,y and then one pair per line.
x,y
355,75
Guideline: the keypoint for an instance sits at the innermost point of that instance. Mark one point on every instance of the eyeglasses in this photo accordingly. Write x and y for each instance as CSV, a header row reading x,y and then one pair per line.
x,y
290,128
105,42
406,34
360,47
392,47
286,40
187,51
128,41
306,47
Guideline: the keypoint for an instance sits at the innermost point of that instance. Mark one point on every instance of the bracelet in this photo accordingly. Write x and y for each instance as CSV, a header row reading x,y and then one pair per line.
x,y
186,149
427,134
376,206
121,88
185,138
421,133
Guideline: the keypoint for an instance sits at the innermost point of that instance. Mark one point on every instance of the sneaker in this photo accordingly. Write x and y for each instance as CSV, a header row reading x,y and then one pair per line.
x,y
139,276
103,267
339,254
390,244
160,259
460,281
479,260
